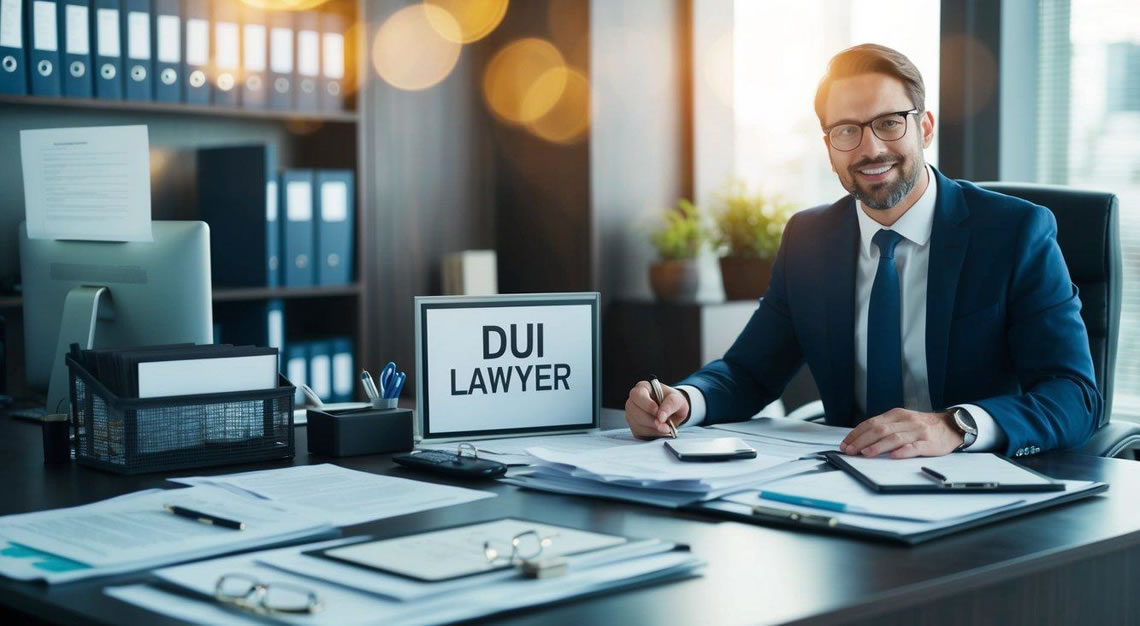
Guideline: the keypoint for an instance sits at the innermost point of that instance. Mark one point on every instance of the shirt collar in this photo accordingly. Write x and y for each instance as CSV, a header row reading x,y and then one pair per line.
x,y
915,225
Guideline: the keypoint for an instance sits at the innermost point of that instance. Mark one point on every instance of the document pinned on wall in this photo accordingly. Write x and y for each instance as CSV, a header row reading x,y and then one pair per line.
x,y
87,183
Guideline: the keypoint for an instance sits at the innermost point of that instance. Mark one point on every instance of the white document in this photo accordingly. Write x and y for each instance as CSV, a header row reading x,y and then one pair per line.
x,y
253,46
78,30
45,33
958,468
840,488
197,42
342,496
334,201
226,47
333,58
453,552
107,32
905,527
87,183
281,50
158,379
298,201
135,532
169,34
308,52
12,23
492,593
174,605
785,429
138,35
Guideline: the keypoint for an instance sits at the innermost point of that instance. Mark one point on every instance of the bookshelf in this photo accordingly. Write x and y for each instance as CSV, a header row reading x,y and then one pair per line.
x,y
316,140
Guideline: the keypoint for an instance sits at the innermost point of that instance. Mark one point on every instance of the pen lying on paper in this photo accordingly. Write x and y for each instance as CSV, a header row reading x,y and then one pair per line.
x,y
205,518
941,479
816,503
659,397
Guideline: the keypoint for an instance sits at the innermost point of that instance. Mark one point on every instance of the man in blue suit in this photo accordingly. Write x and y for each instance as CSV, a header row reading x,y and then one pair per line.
x,y
934,315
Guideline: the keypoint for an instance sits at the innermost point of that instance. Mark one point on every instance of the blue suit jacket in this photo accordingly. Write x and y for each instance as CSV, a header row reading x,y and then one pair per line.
x,y
1003,324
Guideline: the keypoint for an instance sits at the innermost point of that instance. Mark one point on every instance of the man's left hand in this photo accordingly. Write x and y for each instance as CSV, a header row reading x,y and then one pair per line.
x,y
904,434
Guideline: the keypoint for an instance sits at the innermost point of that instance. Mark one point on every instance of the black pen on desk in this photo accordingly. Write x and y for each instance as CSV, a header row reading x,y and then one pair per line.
x,y
939,476
204,518
659,396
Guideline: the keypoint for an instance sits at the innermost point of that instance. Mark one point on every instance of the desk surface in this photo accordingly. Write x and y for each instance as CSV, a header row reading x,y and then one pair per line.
x,y
754,574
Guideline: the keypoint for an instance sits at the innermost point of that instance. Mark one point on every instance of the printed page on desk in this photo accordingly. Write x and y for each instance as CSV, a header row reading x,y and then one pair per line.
x,y
87,183
341,496
784,429
135,532
959,467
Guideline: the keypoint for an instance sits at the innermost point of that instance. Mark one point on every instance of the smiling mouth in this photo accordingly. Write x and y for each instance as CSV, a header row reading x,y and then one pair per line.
x,y
876,170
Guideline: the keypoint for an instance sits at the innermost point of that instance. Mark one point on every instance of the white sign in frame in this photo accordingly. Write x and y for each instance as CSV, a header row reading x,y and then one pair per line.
x,y
495,366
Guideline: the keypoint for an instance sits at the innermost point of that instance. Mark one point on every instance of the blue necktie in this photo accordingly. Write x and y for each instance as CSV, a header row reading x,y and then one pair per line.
x,y
884,331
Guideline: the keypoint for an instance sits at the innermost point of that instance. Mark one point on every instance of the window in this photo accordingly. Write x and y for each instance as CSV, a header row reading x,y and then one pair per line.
x,y
780,52
1089,137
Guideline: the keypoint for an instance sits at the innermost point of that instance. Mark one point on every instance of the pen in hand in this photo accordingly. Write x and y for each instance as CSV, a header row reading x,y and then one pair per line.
x,y
659,396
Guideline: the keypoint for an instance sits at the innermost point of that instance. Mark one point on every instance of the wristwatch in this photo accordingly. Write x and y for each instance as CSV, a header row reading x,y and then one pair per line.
x,y
965,423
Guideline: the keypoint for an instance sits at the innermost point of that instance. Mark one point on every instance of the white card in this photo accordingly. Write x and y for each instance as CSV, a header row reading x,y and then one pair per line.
x,y
334,201
169,39
197,42
78,30
107,32
45,33
138,35
254,47
281,50
308,53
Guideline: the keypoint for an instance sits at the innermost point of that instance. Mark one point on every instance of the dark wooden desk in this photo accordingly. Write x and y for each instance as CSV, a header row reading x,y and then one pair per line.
x,y
1079,563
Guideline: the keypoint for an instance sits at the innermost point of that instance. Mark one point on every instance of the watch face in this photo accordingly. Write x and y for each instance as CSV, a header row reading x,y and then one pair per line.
x,y
965,421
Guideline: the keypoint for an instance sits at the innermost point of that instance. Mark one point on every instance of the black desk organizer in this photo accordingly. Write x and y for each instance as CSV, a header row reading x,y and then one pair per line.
x,y
135,436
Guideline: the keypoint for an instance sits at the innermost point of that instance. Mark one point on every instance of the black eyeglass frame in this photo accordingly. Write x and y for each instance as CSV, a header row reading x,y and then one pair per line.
x,y
862,125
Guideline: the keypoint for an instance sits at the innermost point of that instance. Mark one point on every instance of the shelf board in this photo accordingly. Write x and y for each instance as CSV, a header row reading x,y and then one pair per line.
x,y
236,294
347,117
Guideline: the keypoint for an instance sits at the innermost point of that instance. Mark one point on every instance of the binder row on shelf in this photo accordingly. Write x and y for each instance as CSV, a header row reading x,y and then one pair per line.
x,y
307,217
204,52
325,365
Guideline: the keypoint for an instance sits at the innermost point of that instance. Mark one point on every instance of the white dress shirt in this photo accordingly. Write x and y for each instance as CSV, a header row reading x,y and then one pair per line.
x,y
912,260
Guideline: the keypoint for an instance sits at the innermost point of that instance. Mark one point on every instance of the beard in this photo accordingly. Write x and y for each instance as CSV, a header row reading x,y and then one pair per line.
x,y
884,195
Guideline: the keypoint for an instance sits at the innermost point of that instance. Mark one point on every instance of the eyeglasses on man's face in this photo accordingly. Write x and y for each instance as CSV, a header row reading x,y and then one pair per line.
x,y
846,136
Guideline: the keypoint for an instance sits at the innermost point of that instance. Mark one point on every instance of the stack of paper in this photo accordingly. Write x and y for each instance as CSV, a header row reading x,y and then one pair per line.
x,y
648,473
134,532
353,595
338,495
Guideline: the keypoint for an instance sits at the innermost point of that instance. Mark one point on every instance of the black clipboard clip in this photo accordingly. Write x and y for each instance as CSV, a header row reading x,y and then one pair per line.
x,y
794,516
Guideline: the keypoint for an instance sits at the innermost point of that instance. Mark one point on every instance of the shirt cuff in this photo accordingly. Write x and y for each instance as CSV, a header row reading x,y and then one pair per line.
x,y
696,404
990,435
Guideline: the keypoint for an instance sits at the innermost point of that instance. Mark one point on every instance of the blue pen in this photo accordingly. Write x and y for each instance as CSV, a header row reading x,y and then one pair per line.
x,y
828,505
387,376
397,385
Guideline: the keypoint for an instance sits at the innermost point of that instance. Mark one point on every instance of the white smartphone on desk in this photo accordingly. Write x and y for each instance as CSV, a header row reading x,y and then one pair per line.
x,y
706,450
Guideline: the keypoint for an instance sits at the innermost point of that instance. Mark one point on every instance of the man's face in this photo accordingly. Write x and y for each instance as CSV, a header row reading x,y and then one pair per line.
x,y
861,99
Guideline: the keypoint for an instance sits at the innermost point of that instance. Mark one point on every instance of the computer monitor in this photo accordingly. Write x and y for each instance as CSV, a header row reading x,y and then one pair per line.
x,y
111,295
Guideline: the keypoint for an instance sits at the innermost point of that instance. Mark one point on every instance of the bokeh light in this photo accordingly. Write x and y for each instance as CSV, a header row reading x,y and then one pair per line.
x,y
284,5
518,84
476,18
409,53
569,119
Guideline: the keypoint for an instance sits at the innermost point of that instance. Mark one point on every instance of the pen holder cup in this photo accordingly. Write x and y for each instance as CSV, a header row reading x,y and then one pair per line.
x,y
352,432
389,403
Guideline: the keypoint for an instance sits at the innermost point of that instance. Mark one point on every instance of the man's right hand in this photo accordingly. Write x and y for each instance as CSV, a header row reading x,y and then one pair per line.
x,y
646,419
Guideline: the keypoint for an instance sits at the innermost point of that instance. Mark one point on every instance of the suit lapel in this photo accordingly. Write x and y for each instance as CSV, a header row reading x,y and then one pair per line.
x,y
948,243
839,282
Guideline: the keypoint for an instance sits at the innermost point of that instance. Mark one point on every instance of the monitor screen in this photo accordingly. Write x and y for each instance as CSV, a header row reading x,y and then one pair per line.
x,y
503,365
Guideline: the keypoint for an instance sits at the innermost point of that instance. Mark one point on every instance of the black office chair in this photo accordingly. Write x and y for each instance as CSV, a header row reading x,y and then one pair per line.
x,y
1088,232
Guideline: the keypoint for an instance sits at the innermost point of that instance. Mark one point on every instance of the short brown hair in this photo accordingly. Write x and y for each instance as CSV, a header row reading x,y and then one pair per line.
x,y
870,58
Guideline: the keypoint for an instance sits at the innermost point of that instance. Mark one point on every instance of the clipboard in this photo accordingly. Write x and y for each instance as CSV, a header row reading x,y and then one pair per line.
x,y
1033,482
825,523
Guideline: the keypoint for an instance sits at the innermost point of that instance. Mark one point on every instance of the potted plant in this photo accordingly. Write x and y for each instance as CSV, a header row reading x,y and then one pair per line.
x,y
675,276
747,234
